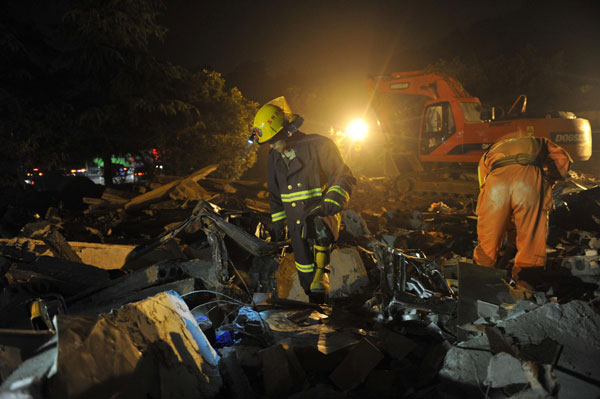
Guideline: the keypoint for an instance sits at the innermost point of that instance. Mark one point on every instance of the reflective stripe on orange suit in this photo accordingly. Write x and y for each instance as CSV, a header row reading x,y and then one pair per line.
x,y
517,193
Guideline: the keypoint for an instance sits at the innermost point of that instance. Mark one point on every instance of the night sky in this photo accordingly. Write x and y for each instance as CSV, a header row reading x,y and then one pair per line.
x,y
333,45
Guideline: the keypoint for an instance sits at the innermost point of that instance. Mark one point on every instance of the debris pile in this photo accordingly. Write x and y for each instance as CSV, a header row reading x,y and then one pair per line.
x,y
179,291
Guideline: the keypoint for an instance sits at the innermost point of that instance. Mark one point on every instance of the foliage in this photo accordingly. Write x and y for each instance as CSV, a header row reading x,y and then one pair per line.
x,y
220,132
80,82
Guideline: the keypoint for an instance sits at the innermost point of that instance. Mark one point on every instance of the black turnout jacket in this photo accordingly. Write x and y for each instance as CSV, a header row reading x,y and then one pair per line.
x,y
316,174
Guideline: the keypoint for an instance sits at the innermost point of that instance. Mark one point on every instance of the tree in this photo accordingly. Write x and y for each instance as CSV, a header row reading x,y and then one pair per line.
x,y
82,83
220,132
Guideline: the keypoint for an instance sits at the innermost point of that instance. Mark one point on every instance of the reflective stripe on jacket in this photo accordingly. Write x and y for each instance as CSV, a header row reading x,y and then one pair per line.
x,y
316,173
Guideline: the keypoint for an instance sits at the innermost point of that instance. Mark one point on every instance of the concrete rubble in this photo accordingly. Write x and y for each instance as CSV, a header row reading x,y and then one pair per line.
x,y
175,289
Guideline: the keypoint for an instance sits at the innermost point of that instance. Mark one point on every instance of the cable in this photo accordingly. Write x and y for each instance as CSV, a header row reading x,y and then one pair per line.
x,y
215,293
217,301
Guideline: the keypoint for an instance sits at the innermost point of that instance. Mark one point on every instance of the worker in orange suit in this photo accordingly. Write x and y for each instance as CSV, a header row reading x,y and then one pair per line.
x,y
516,178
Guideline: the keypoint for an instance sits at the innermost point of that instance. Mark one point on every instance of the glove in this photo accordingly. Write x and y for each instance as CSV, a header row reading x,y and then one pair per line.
x,y
329,208
278,231
334,201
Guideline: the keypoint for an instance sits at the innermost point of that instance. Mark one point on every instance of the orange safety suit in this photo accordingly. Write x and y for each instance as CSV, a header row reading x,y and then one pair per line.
x,y
516,178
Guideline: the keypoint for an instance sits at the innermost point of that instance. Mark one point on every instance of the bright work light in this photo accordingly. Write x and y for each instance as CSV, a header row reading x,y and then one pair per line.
x,y
357,130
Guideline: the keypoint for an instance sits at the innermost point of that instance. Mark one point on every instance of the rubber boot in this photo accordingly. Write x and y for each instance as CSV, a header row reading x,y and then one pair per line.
x,y
320,285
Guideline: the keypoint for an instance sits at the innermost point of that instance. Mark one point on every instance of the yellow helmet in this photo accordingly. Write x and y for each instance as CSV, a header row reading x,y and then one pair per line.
x,y
269,120
272,118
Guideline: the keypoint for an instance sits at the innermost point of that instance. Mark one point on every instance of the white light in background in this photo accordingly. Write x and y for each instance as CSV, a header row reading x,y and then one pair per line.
x,y
357,129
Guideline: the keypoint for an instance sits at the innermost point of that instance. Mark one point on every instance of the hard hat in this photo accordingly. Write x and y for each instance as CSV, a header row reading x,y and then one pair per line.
x,y
269,120
272,118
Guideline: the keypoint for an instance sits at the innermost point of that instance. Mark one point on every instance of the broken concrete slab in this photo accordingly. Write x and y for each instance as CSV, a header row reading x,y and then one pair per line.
x,y
157,274
139,258
587,268
504,370
203,270
103,256
55,241
188,189
163,191
479,283
574,325
357,365
467,364
30,378
181,287
348,273
65,277
17,346
156,350
249,242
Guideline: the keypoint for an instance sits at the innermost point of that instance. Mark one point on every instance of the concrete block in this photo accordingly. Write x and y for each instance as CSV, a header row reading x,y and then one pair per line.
x,y
151,348
188,190
357,365
348,273
573,325
104,256
465,366
504,370
205,271
161,192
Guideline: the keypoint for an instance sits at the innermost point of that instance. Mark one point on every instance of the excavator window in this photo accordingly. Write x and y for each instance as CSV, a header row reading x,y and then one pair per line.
x,y
438,125
471,111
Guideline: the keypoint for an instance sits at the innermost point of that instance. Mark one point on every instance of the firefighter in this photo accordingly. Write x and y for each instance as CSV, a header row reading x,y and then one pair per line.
x,y
516,178
309,185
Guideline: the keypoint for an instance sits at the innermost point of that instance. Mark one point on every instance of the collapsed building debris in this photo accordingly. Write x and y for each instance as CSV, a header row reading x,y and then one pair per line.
x,y
180,285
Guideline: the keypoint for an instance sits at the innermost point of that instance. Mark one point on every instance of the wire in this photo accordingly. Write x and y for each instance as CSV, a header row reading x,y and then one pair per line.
x,y
215,293
217,301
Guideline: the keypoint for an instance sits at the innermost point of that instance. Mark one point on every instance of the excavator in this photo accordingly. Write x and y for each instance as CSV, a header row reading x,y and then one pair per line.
x,y
430,123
